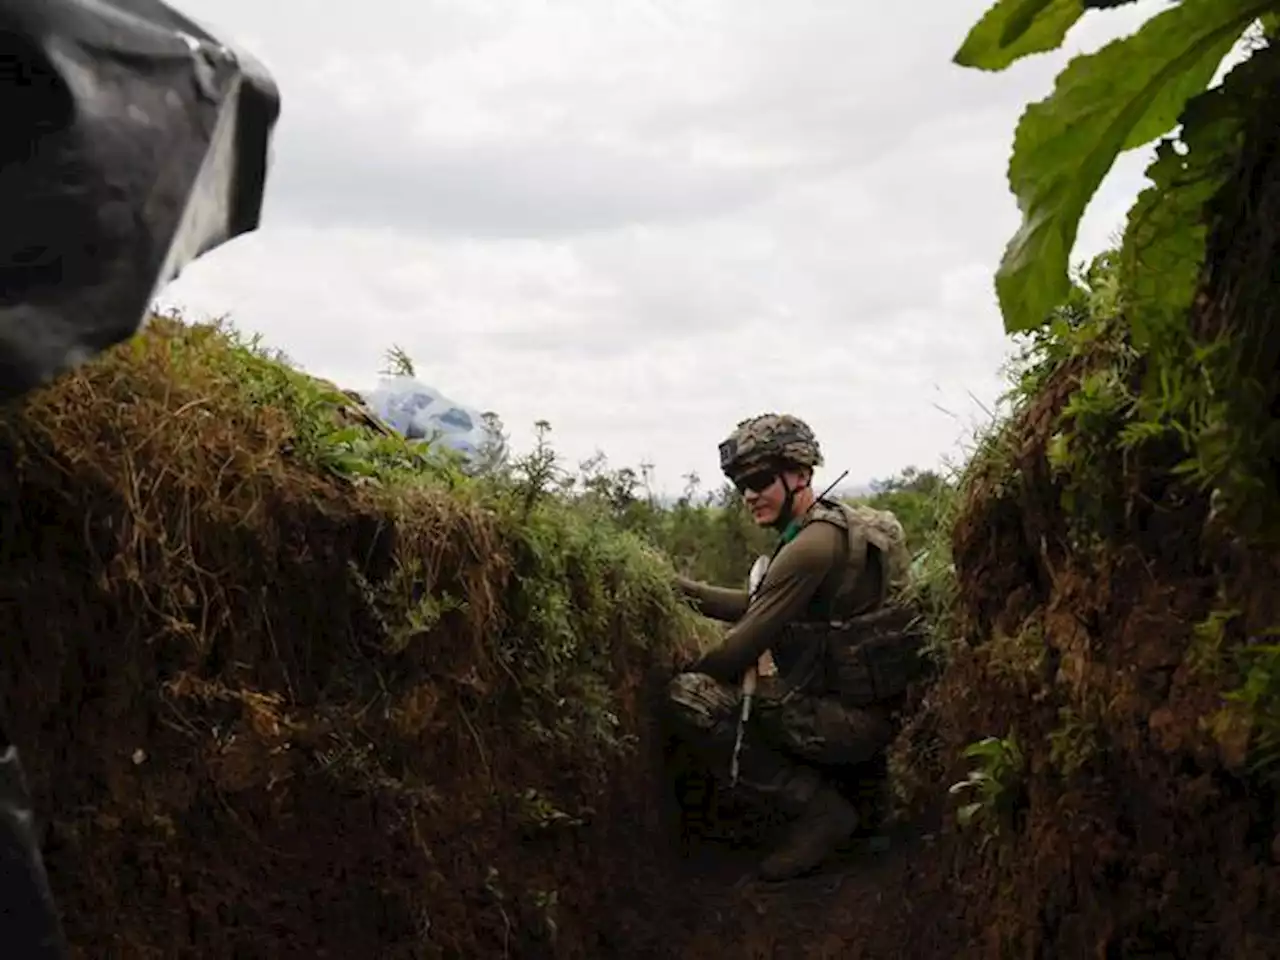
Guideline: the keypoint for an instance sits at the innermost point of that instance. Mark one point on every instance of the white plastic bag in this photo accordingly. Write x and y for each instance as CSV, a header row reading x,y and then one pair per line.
x,y
420,412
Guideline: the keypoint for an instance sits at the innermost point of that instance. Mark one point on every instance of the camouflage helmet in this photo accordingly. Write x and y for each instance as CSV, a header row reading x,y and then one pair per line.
x,y
768,439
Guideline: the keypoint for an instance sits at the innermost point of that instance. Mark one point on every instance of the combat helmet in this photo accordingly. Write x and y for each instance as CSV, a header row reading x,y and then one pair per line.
x,y
766,441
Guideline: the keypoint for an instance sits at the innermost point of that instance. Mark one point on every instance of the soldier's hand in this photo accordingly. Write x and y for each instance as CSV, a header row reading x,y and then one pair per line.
x,y
765,666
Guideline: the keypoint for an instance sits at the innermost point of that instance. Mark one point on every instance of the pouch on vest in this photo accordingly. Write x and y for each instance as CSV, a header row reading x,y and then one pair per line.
x,y
866,660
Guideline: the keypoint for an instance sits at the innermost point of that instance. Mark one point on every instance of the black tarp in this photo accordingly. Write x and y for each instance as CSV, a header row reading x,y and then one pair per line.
x,y
131,142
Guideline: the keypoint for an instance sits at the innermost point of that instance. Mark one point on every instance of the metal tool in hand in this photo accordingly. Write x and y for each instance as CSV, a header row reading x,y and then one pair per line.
x,y
756,577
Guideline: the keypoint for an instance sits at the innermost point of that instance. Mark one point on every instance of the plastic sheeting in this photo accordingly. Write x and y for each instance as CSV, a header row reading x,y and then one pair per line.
x,y
134,143
420,412
137,142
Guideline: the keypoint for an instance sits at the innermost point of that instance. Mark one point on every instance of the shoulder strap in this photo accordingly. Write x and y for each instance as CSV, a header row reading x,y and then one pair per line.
x,y
833,512
884,532
877,534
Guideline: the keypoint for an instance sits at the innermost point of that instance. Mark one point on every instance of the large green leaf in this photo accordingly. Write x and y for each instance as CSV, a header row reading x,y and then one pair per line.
x,y
1013,29
1162,112
1164,243
1127,93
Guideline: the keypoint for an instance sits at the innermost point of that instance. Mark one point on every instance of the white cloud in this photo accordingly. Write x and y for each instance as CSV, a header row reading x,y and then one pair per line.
x,y
643,220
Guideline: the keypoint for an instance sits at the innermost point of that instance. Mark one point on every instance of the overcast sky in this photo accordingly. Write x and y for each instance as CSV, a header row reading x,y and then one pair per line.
x,y
643,220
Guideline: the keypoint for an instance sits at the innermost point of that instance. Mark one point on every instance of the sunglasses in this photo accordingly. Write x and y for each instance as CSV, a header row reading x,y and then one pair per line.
x,y
756,482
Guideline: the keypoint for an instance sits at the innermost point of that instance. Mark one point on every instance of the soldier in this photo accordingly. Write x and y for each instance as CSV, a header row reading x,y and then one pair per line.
x,y
834,562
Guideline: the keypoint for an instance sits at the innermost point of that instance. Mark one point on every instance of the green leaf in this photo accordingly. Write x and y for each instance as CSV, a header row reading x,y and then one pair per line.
x,y
1013,29
1101,104
1163,111
966,813
1164,245
986,747
344,435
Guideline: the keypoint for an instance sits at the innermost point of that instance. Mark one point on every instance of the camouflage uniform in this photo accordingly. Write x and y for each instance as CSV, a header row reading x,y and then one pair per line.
x,y
799,727
789,735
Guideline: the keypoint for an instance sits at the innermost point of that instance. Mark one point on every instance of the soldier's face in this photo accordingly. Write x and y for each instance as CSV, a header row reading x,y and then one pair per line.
x,y
766,492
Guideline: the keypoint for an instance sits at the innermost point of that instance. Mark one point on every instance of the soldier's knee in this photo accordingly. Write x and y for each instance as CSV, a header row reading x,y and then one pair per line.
x,y
697,700
681,683
683,691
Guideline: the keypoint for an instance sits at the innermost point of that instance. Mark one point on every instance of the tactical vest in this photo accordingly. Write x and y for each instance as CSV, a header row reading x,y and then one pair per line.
x,y
876,531
872,657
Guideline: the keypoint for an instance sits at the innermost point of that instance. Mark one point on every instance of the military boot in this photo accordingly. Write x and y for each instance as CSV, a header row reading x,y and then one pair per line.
x,y
826,820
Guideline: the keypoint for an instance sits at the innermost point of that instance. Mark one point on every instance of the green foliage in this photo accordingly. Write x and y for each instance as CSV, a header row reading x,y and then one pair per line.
x,y
494,456
1086,335
1197,393
1128,397
714,542
586,599
1164,244
997,780
1013,29
1202,393
1208,641
399,363
326,433
1083,451
583,592
1083,325
1165,241
1074,743
1256,702
1121,97
709,535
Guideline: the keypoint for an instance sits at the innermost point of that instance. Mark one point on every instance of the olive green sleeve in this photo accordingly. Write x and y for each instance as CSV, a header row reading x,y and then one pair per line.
x,y
718,603
793,578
